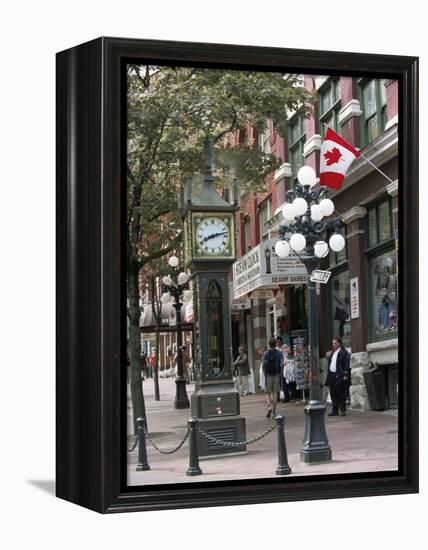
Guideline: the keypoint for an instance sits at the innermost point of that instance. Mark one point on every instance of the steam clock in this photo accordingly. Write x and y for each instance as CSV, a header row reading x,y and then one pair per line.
x,y
209,249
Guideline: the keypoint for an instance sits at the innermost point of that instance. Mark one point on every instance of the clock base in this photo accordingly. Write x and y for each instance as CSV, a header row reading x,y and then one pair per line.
x,y
213,431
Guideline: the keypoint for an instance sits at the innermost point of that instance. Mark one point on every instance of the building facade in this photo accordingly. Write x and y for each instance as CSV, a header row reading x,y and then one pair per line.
x,y
359,303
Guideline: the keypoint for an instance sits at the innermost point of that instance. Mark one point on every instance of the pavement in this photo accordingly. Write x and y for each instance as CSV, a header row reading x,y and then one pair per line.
x,y
362,441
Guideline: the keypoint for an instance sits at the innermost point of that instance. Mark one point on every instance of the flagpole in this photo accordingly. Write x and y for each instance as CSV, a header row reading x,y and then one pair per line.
x,y
376,168
365,158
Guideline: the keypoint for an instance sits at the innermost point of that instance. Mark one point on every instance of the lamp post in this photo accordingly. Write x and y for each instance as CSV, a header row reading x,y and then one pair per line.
x,y
176,288
303,232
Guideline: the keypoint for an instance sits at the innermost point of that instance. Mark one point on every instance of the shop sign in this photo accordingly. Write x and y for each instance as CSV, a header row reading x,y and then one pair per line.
x,y
355,298
240,303
262,269
319,276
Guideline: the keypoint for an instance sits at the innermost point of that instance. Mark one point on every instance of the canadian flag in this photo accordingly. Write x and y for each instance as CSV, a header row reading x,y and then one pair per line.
x,y
336,157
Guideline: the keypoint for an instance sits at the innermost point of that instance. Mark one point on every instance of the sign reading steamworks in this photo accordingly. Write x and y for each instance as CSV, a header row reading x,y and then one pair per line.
x,y
261,268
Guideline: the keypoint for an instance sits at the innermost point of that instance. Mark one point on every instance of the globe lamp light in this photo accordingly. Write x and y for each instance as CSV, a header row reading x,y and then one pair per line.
x,y
297,242
282,249
306,176
289,212
316,213
321,249
300,206
173,261
337,242
327,207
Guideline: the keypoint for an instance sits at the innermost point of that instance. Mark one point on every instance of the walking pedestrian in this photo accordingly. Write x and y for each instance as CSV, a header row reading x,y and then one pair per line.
x,y
241,363
272,370
144,365
338,377
151,364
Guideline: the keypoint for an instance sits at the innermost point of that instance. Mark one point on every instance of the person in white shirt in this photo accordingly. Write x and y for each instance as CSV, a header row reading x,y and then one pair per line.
x,y
338,377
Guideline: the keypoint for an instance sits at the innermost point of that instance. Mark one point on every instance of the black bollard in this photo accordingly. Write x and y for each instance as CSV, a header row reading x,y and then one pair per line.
x,y
142,451
283,467
193,469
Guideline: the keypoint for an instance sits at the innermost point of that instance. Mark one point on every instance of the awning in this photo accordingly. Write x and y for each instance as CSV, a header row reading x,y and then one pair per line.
x,y
262,269
168,315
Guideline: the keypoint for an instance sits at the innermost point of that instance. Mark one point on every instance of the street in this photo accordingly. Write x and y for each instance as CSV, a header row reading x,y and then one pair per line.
x,y
360,441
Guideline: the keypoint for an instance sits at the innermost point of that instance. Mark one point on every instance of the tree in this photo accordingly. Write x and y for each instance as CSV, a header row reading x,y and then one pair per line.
x,y
171,110
152,274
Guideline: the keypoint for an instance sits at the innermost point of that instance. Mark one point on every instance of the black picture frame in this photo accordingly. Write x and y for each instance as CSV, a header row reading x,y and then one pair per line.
x,y
91,435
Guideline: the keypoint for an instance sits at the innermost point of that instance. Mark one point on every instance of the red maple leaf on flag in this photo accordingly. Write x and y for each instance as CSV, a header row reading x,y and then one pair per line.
x,y
333,156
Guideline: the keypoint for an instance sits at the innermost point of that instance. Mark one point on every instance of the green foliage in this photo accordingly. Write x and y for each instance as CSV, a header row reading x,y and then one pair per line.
x,y
171,110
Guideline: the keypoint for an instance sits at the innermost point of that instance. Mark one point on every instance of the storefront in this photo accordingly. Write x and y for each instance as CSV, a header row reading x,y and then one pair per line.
x,y
359,303
263,280
166,330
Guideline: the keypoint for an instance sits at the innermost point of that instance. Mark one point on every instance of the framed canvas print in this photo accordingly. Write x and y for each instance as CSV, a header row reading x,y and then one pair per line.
x,y
237,275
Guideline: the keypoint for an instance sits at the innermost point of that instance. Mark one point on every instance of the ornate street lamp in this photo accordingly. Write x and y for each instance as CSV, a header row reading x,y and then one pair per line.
x,y
304,232
176,287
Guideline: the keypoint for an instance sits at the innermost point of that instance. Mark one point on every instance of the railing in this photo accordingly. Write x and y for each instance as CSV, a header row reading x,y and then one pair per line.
x,y
194,469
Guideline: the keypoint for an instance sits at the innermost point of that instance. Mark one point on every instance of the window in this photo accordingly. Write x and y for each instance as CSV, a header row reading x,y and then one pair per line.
x,y
339,292
340,303
373,101
298,307
379,223
296,141
329,105
247,234
265,213
383,284
242,137
382,272
264,139
214,309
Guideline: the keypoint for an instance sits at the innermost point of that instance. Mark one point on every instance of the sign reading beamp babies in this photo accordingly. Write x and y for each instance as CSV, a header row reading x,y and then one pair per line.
x,y
261,268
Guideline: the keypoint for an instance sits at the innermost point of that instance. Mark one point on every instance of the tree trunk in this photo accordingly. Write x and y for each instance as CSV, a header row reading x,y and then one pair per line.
x,y
137,397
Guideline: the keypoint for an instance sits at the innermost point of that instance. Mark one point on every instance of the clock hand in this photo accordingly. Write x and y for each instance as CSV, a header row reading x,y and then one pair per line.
x,y
212,236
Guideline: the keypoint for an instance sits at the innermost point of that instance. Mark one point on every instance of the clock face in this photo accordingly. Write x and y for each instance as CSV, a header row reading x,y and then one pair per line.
x,y
213,236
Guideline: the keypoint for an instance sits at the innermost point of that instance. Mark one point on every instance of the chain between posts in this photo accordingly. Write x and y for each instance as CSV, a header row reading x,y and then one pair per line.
x,y
166,451
238,443
208,436
134,445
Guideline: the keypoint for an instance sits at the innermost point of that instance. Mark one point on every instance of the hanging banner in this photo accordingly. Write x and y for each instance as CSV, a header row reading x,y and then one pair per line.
x,y
262,269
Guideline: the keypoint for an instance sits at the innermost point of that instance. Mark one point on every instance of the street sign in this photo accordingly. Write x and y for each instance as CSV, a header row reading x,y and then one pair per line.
x,y
319,276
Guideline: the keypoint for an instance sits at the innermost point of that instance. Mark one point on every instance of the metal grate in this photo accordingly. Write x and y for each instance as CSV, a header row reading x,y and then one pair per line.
x,y
225,434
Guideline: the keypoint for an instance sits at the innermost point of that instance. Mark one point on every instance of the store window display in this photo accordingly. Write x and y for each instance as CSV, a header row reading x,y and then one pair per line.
x,y
384,292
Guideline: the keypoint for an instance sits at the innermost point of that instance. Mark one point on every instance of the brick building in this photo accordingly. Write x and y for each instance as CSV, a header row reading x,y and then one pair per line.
x,y
360,301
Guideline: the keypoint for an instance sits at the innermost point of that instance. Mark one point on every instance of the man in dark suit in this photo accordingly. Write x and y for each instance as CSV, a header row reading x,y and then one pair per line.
x,y
338,377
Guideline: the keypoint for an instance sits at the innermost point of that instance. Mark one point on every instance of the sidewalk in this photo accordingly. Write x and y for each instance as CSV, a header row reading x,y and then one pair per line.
x,y
360,442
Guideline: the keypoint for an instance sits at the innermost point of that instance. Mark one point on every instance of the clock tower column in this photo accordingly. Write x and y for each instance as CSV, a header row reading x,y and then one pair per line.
x,y
209,248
